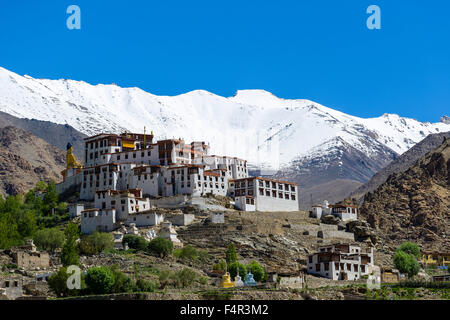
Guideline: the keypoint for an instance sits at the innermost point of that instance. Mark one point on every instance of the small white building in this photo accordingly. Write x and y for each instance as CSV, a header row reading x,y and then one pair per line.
x,y
75,210
341,262
98,220
346,212
263,194
217,217
114,207
245,203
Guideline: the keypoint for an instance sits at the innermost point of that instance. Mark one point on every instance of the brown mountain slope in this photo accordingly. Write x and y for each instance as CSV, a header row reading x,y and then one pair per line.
x,y
25,159
401,163
56,134
415,204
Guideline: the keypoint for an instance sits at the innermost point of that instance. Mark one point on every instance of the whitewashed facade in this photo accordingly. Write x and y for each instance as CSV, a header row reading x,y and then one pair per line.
x,y
263,194
341,262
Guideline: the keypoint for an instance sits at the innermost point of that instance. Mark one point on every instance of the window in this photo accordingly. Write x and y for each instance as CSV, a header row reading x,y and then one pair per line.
x,y
317,267
292,196
310,259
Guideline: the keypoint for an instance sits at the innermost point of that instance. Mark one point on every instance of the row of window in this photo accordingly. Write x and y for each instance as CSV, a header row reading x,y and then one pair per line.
x,y
339,266
266,193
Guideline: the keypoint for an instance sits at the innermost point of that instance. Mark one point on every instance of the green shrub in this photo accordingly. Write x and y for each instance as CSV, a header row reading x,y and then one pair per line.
x,y
122,282
135,242
49,239
221,266
145,286
160,246
96,243
187,253
203,280
58,283
184,278
164,278
100,280
258,272
236,268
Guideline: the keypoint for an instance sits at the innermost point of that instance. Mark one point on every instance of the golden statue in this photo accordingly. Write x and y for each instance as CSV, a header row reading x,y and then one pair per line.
x,y
70,158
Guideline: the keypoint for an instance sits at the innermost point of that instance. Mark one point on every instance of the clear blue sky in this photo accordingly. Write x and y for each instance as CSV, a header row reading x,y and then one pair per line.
x,y
319,50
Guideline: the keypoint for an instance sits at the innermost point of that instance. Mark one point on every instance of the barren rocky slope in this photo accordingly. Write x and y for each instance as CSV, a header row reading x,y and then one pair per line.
x,y
414,204
57,135
401,163
25,159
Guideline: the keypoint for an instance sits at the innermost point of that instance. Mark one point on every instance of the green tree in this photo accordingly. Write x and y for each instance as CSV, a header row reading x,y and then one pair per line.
x,y
135,242
411,248
230,255
160,246
69,254
236,268
49,239
258,272
100,280
406,263
26,223
50,200
96,243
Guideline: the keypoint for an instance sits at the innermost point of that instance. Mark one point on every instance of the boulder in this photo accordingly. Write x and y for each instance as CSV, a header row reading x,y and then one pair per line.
x,y
330,219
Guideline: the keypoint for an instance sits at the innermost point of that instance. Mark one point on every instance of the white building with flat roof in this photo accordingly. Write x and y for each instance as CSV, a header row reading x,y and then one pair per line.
x,y
264,194
341,262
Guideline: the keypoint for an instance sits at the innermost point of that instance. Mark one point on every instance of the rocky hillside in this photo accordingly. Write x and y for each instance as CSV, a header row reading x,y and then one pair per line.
x,y
401,163
55,134
25,159
414,204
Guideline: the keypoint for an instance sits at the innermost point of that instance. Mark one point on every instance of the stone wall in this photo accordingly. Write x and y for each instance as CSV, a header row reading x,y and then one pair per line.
x,y
31,260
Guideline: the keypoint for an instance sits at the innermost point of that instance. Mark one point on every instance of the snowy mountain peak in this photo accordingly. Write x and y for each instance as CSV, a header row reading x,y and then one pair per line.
x,y
254,124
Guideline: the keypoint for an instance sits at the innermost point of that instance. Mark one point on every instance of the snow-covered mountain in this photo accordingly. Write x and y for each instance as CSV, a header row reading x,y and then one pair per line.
x,y
253,124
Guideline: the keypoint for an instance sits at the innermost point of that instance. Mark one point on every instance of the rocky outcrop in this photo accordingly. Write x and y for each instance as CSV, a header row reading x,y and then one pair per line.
x,y
26,159
414,204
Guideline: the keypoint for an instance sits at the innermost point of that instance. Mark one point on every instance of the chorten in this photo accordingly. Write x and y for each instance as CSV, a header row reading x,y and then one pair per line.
x,y
168,232
249,281
226,281
238,281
